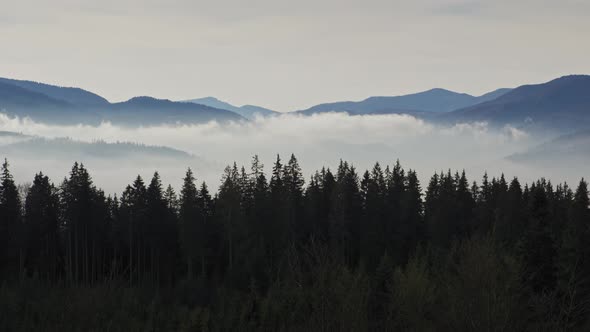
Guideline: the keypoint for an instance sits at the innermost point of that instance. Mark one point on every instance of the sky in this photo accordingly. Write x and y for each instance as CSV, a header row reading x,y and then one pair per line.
x,y
290,55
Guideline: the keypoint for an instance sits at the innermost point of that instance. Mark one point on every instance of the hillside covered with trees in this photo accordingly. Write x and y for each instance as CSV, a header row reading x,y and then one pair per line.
x,y
343,251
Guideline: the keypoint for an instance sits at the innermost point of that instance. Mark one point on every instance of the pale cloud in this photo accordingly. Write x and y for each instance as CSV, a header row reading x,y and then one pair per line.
x,y
319,140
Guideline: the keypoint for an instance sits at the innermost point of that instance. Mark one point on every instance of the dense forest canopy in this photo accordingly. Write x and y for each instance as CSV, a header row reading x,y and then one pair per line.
x,y
345,250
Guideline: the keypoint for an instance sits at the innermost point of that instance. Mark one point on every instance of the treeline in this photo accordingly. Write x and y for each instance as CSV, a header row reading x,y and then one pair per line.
x,y
349,251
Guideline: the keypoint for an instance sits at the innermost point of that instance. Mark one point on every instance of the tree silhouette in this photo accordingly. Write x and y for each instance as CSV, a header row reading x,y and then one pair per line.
x,y
272,253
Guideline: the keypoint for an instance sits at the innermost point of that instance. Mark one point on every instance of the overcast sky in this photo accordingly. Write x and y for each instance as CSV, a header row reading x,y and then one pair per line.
x,y
292,54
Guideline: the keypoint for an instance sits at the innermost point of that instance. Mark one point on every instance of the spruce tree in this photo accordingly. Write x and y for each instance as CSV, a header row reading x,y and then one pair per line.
x,y
157,231
574,267
83,214
293,182
538,249
42,224
189,215
11,230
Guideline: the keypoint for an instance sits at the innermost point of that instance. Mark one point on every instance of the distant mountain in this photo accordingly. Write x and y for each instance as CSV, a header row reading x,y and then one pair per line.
x,y
13,96
4,133
247,111
52,104
493,95
148,110
18,101
9,137
74,96
563,104
431,101
65,148
575,148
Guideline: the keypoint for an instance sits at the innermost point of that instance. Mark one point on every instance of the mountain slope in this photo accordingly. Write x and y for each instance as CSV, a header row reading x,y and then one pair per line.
x,y
65,148
493,95
571,148
12,96
21,102
563,103
57,105
435,101
148,110
74,96
247,111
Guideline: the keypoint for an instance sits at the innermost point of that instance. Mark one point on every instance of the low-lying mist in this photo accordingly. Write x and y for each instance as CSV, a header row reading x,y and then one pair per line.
x,y
318,140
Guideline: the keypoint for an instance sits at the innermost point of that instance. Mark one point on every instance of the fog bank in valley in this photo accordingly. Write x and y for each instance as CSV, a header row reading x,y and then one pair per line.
x,y
319,140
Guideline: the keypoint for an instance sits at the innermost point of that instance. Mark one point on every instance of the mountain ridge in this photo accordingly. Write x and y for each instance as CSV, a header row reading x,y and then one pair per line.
x,y
247,111
41,102
436,100
72,95
560,103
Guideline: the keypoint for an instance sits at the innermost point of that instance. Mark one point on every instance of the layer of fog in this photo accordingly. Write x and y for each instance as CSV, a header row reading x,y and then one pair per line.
x,y
320,140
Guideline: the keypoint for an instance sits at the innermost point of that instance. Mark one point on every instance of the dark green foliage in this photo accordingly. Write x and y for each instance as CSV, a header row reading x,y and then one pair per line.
x,y
538,246
84,214
41,221
11,229
341,254
574,267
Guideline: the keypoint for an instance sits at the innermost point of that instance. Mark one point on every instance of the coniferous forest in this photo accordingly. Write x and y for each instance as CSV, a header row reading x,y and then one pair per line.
x,y
345,250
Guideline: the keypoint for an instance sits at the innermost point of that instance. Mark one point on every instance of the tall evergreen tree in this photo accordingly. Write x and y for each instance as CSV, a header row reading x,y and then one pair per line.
x,y
278,227
11,230
84,213
229,212
374,235
43,252
412,222
189,215
159,229
345,214
293,182
538,247
137,228
574,267
511,225
207,232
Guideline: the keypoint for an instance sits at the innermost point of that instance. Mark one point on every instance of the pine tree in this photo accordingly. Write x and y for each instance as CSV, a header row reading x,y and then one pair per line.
x,y
538,249
171,199
293,182
431,204
260,221
11,230
137,229
345,214
230,213
465,206
206,231
574,267
395,230
485,206
84,211
157,231
413,228
189,215
374,235
511,224
43,252
278,227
